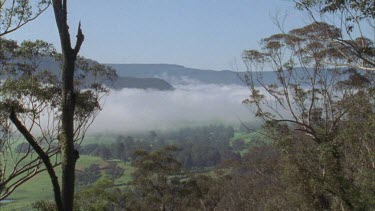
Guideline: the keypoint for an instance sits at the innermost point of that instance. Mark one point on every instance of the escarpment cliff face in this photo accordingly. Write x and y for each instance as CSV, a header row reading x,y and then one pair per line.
x,y
142,83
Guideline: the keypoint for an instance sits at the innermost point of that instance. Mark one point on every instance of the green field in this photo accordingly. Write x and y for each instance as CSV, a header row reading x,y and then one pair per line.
x,y
40,188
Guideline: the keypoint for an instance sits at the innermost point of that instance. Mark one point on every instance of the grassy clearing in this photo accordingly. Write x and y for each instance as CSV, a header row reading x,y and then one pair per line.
x,y
126,177
251,139
86,160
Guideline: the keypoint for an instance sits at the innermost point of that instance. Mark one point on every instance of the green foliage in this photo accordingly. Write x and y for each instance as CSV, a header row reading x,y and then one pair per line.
x,y
16,13
93,172
362,9
159,183
44,205
239,145
88,176
100,196
350,17
311,113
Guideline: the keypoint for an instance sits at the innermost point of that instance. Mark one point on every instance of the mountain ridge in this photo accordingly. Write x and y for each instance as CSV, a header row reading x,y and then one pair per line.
x,y
174,73
50,64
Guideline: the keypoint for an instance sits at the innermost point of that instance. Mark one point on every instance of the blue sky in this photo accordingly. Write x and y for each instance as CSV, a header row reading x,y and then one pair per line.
x,y
207,34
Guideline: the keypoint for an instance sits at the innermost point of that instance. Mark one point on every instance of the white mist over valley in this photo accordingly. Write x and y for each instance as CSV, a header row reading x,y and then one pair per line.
x,y
140,110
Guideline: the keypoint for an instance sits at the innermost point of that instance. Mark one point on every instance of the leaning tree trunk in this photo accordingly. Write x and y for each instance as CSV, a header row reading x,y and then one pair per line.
x,y
69,56
43,155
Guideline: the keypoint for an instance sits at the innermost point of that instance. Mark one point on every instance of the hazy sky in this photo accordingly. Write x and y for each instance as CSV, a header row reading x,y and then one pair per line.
x,y
208,34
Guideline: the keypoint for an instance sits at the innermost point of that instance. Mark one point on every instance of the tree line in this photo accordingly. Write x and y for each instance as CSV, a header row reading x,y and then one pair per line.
x,y
199,147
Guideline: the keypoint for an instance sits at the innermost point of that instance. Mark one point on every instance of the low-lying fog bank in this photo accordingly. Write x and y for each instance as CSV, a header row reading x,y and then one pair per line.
x,y
136,110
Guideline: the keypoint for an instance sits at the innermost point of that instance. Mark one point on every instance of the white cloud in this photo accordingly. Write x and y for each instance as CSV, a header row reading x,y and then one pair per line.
x,y
135,110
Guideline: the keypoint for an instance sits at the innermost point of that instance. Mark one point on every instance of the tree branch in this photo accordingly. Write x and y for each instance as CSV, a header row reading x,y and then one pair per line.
x,y
45,158
80,39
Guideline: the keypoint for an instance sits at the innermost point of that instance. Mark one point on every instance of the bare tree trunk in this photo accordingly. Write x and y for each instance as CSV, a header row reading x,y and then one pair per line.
x,y
69,154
